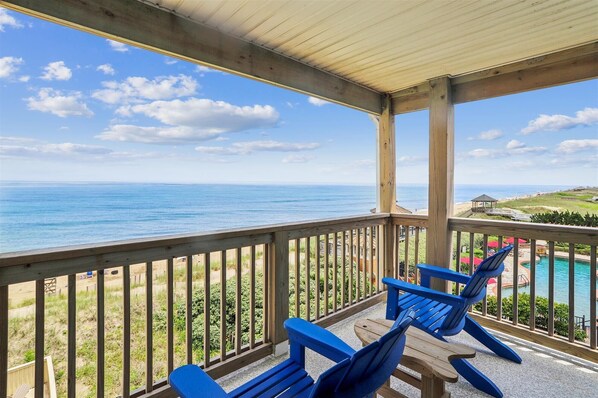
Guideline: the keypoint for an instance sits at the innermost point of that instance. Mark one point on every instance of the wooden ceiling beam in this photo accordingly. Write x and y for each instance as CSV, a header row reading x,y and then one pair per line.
x,y
142,25
563,67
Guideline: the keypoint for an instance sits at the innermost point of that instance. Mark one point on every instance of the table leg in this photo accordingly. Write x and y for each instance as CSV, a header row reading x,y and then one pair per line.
x,y
433,387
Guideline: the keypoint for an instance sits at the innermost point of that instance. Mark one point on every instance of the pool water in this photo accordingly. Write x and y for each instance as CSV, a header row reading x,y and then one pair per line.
x,y
561,283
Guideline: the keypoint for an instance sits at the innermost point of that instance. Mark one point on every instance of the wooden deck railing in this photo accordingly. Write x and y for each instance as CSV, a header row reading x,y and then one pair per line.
x,y
245,283
219,299
536,240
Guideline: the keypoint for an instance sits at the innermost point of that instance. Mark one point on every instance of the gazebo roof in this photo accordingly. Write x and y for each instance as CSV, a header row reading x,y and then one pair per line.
x,y
484,198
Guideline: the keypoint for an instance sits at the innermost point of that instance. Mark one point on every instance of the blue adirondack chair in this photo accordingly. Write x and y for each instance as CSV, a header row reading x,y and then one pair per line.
x,y
356,374
443,314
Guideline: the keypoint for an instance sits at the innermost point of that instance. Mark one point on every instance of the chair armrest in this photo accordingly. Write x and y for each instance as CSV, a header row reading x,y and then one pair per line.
x,y
428,270
423,291
318,339
190,381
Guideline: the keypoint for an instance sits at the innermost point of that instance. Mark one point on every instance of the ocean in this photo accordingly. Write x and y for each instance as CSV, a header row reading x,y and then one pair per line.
x,y
44,215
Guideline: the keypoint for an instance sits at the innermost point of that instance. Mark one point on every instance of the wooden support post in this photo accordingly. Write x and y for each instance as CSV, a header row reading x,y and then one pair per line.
x,y
441,176
278,291
386,190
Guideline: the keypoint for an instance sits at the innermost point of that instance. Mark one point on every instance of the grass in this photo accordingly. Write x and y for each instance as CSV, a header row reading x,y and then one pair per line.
x,y
574,200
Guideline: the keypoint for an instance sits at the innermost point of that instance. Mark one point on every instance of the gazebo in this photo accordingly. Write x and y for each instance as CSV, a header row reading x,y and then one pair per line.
x,y
483,203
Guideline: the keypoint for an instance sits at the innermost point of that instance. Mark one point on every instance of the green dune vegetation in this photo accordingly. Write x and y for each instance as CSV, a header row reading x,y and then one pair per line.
x,y
577,200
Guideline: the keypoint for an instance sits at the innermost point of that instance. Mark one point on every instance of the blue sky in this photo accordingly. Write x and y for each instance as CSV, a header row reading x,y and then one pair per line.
x,y
76,107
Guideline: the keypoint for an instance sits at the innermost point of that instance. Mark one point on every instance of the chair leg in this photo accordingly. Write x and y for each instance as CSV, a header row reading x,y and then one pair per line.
x,y
498,347
476,378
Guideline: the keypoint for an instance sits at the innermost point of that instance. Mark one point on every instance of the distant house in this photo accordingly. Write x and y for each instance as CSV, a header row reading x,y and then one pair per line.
x,y
483,203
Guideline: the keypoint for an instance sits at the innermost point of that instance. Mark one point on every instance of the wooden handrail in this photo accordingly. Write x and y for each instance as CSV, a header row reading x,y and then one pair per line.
x,y
560,233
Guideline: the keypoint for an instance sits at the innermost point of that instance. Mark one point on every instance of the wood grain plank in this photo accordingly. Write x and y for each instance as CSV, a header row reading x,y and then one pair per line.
x,y
71,361
126,372
4,341
39,337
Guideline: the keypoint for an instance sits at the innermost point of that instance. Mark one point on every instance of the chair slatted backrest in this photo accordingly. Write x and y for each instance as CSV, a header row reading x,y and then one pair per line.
x,y
368,368
475,289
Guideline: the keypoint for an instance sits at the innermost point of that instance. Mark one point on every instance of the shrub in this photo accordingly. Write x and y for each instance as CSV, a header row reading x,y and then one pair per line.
x,y
561,313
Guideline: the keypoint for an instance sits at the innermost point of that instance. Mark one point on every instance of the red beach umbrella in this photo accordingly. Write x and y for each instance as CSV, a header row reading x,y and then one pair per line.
x,y
511,240
476,261
493,244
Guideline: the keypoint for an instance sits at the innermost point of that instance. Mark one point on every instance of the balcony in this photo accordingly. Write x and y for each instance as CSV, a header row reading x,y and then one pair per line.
x,y
118,334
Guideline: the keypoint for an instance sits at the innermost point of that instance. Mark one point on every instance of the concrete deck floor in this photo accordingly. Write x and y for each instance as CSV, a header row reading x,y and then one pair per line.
x,y
544,373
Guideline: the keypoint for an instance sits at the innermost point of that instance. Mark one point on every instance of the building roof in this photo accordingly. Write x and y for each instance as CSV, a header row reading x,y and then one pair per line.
x,y
484,198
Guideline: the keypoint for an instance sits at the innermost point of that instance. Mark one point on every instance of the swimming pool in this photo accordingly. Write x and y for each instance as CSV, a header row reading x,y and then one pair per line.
x,y
561,283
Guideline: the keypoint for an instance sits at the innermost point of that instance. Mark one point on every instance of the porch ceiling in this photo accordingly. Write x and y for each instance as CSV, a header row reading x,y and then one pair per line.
x,y
353,52
391,45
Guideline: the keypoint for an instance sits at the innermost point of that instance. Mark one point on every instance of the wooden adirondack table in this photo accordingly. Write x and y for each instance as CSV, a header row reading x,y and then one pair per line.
x,y
423,354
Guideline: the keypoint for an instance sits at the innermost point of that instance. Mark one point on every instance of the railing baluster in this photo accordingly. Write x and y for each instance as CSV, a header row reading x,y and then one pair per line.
x,y
126,331
397,268
266,317
170,314
498,285
358,294
39,337
307,278
326,270
318,244
351,266
71,361
252,298
471,249
371,267
407,241
206,311
551,288
572,292
189,310
222,305
149,341
335,272
532,286
515,280
472,265
416,255
297,281
100,372
593,325
379,269
238,299
3,341
457,260
343,269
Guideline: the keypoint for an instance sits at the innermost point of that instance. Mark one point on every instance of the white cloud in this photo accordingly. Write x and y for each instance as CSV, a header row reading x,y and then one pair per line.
x,y
136,89
9,65
513,144
66,148
155,135
107,69
59,104
118,46
24,78
170,61
297,159
572,146
209,115
57,71
585,117
513,148
202,70
317,102
488,135
248,147
407,160
8,20
481,153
